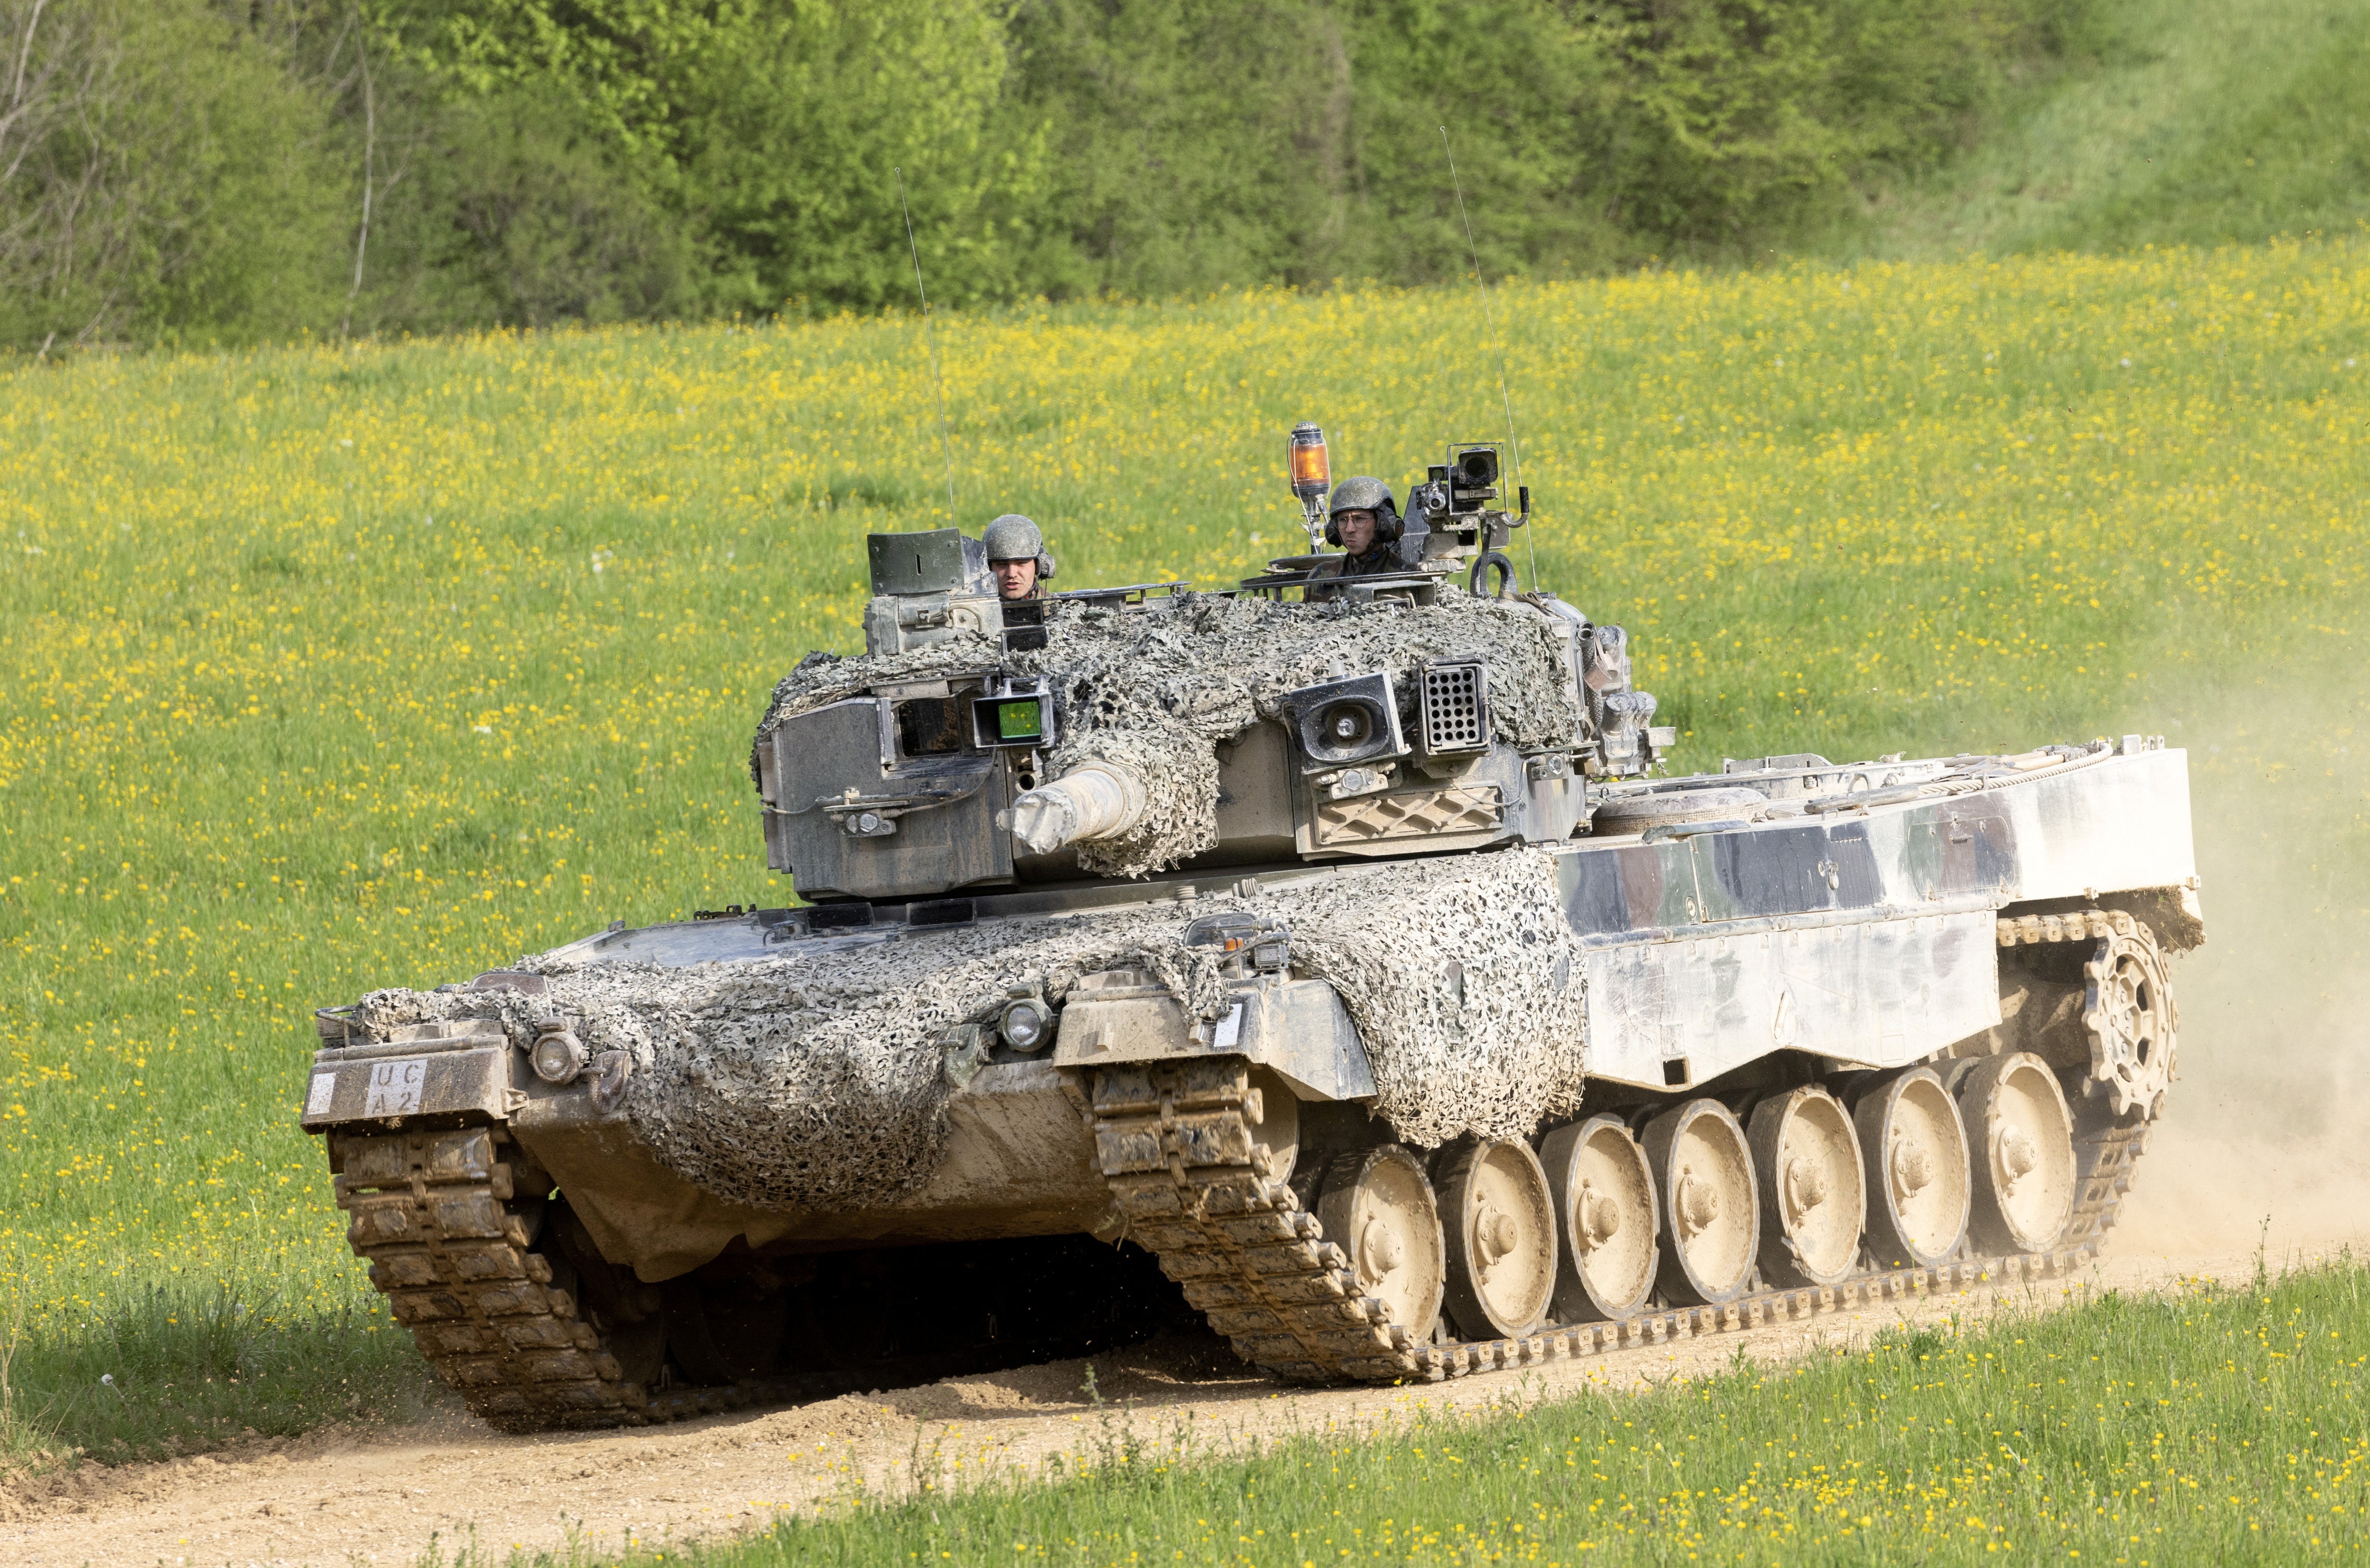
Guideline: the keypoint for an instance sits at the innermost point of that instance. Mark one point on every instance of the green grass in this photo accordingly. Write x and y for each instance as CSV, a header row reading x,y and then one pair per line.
x,y
178,1367
323,669
2212,1425
2184,122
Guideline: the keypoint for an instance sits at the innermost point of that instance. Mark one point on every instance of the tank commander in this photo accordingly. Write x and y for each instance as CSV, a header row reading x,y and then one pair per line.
x,y
1366,524
1015,553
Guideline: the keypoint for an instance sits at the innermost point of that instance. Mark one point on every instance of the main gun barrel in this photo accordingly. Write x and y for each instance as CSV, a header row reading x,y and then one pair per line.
x,y
1094,800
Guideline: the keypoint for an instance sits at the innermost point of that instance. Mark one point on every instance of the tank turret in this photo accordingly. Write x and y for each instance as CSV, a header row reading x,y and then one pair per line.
x,y
1120,736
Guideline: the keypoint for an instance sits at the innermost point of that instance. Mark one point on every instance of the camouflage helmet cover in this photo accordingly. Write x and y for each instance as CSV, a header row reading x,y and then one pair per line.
x,y
1364,493
1015,538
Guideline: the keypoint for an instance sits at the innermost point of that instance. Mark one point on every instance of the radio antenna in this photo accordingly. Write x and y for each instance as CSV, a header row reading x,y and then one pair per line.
x,y
1490,326
931,338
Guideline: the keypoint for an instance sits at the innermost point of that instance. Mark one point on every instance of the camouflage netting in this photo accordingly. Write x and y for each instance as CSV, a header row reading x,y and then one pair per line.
x,y
816,1082
1158,689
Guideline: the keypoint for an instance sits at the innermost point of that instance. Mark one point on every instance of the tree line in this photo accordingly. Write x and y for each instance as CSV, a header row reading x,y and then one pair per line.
x,y
196,171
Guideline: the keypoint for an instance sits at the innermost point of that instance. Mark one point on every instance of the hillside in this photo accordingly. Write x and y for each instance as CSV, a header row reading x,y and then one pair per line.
x,y
2195,123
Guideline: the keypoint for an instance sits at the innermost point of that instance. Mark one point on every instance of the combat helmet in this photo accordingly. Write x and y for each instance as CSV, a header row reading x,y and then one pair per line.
x,y
1364,493
1014,538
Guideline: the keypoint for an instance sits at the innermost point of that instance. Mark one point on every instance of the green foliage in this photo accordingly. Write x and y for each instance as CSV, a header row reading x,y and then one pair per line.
x,y
514,212
1749,108
272,166
793,135
769,133
164,177
1193,151
191,171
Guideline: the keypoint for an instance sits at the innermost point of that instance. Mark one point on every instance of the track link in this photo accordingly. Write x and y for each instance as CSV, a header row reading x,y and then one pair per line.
x,y
1174,1143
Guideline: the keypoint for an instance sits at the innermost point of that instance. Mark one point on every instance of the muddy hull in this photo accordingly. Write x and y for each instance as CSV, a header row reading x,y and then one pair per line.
x,y
539,1244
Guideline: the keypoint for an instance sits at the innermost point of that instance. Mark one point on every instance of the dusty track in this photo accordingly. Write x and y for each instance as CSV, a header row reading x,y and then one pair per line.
x,y
340,1497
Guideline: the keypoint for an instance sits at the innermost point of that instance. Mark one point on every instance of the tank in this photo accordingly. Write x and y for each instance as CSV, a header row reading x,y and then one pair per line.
x,y
1336,960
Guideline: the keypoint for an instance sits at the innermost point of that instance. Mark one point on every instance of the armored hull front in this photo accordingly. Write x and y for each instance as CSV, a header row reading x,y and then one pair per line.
x,y
1348,961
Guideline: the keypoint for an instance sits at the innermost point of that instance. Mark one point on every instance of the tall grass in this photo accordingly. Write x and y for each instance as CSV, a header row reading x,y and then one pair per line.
x,y
172,1366
323,669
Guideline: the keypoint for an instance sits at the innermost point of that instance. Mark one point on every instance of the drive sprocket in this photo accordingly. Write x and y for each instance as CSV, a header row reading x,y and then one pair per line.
x,y
2127,1011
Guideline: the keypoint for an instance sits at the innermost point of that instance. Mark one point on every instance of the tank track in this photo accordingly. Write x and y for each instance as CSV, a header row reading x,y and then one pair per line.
x,y
1175,1144
449,1240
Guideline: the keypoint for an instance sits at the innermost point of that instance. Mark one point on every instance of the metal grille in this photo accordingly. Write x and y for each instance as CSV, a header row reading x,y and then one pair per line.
x,y
1456,707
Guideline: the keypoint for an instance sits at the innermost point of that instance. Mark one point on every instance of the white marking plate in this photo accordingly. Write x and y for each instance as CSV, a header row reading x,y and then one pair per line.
x,y
395,1087
325,1086
1229,1029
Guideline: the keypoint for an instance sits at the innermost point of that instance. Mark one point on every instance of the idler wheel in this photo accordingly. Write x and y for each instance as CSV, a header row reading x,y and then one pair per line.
x,y
1710,1215
1914,1153
1271,1115
1377,1206
2021,1134
1813,1194
1603,1193
1498,1224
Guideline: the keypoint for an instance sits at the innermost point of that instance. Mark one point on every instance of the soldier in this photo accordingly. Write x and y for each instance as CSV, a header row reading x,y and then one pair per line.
x,y
1366,524
1015,553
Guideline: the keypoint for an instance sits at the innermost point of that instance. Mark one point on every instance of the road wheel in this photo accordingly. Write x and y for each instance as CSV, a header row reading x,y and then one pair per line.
x,y
1710,1219
1498,1217
1914,1152
1603,1193
1806,1161
1377,1206
2021,1138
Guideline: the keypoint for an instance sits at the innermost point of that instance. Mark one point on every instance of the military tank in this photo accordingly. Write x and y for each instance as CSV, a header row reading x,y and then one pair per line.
x,y
1337,960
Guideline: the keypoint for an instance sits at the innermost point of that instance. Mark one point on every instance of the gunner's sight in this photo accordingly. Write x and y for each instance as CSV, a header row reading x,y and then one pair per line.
x,y
1470,476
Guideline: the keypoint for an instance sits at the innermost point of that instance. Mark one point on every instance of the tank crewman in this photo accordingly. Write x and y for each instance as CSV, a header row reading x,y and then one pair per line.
x,y
1366,524
1016,554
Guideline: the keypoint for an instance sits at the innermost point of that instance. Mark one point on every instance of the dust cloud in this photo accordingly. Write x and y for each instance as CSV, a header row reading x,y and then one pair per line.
x,y
2266,1133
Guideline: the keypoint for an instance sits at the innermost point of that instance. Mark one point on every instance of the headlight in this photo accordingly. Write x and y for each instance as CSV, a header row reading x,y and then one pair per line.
x,y
1026,1025
1352,720
558,1057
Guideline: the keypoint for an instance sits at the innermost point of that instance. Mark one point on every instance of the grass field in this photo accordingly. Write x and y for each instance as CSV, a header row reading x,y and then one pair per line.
x,y
2217,1426
325,668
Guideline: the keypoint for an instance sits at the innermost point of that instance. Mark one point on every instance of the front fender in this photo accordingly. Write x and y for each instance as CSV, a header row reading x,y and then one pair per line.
x,y
1297,1028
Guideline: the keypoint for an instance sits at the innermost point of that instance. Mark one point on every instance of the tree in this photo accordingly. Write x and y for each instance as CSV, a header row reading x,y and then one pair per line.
x,y
770,129
161,175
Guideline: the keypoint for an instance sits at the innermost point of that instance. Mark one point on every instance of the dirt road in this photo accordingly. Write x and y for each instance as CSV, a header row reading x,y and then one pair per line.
x,y
338,1498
